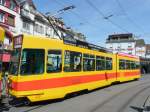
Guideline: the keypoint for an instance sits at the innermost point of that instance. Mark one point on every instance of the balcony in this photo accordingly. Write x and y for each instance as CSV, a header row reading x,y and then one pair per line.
x,y
27,14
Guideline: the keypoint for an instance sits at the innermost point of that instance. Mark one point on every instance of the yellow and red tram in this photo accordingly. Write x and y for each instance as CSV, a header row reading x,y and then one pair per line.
x,y
44,68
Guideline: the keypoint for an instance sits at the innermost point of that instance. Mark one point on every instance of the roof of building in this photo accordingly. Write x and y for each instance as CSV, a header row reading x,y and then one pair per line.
x,y
22,2
140,42
115,38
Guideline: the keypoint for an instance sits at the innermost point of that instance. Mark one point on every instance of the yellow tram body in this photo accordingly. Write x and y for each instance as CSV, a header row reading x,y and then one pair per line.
x,y
67,79
129,74
2,34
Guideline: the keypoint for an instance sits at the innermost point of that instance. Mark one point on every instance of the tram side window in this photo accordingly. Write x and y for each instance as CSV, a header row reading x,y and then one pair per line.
x,y
72,61
108,63
54,61
128,65
32,61
88,62
133,65
122,65
100,63
137,65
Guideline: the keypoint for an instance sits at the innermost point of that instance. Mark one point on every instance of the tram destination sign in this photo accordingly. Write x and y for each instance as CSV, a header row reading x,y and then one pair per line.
x,y
18,41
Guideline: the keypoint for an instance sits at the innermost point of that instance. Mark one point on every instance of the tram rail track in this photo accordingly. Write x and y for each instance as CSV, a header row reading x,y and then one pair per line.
x,y
122,108
119,93
98,106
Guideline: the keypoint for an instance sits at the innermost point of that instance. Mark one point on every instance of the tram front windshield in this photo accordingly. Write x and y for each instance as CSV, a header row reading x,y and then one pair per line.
x,y
14,67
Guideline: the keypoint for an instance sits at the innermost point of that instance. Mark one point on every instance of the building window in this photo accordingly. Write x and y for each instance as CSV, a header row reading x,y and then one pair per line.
x,y
130,52
10,20
12,5
26,26
54,61
1,17
36,27
129,45
39,29
2,2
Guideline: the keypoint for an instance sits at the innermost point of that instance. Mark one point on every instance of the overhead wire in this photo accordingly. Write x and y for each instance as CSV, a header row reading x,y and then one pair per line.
x,y
84,20
103,15
128,18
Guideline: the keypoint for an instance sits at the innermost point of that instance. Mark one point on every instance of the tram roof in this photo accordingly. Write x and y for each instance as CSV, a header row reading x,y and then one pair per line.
x,y
74,42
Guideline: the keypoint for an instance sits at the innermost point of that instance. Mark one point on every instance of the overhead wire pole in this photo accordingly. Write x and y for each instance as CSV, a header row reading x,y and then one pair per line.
x,y
49,18
128,18
102,14
53,26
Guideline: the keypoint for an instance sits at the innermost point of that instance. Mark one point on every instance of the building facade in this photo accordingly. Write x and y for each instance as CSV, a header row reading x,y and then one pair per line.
x,y
148,51
10,15
140,48
34,22
121,43
126,43
21,16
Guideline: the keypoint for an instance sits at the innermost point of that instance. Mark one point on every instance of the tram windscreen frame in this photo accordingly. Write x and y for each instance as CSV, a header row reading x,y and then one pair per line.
x,y
15,59
32,62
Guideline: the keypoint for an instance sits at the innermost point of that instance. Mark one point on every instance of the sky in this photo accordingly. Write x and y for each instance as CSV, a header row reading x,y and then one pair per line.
x,y
97,19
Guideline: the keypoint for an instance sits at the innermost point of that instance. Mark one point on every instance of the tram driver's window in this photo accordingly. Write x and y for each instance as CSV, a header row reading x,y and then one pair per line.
x,y
32,61
54,61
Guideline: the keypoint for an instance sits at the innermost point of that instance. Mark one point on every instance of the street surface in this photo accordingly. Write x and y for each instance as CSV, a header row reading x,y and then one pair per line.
x,y
125,97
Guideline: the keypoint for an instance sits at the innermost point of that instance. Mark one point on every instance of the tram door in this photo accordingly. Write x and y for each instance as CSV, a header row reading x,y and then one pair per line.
x,y
108,65
111,70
